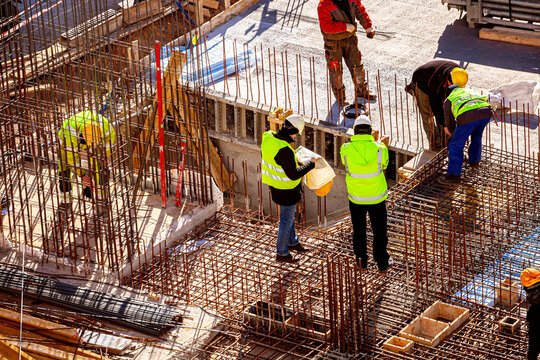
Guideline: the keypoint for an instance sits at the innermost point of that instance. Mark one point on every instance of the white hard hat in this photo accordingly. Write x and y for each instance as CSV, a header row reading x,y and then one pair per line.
x,y
362,120
297,121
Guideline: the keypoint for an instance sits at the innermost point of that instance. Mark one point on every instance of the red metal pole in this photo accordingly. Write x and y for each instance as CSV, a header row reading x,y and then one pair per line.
x,y
161,133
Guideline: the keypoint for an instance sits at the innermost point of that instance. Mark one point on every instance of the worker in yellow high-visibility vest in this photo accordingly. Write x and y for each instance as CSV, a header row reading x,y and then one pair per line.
x,y
84,136
530,280
283,174
365,161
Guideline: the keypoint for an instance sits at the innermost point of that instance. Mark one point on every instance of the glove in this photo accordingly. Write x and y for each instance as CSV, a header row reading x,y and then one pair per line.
x,y
351,28
370,32
86,181
375,134
385,140
319,163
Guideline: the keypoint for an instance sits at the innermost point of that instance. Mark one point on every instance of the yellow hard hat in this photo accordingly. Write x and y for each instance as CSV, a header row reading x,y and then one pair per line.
x,y
91,133
325,189
530,277
459,77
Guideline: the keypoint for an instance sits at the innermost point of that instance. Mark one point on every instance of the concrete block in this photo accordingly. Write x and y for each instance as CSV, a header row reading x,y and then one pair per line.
x,y
425,331
507,293
455,316
509,325
399,345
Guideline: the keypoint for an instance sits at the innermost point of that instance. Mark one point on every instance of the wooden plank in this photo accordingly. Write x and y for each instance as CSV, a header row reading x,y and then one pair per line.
x,y
11,352
212,4
39,349
140,11
192,8
514,36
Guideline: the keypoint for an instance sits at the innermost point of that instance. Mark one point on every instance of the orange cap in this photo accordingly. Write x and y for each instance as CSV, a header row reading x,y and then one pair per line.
x,y
530,277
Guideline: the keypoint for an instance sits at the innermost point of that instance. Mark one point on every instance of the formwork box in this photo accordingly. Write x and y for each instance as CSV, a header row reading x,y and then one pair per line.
x,y
311,326
267,315
509,325
455,316
425,331
399,345
507,293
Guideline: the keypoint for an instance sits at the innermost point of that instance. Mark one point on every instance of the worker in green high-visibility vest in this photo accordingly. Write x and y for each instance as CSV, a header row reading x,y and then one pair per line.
x,y
86,140
283,174
466,115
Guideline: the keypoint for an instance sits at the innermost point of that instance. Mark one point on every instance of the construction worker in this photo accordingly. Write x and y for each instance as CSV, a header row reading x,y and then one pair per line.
x,y
85,146
365,160
466,114
530,280
428,86
337,19
283,174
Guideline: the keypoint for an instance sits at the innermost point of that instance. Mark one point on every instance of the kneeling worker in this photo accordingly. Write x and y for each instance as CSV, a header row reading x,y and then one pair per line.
x,y
530,280
365,161
283,174
84,136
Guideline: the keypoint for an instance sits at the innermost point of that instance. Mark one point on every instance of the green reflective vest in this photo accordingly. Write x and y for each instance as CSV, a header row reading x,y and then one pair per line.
x,y
364,161
272,173
463,101
70,132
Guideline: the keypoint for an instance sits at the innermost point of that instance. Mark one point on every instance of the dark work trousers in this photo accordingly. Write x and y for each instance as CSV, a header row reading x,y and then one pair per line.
x,y
347,49
378,218
533,317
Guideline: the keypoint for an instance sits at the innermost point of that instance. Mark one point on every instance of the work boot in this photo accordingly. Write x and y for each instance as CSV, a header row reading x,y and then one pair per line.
x,y
383,271
286,259
474,164
299,248
366,95
452,180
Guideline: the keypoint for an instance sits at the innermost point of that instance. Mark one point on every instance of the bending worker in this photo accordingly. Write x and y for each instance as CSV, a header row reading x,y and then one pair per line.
x,y
466,114
428,86
365,161
283,174
530,280
84,136
337,19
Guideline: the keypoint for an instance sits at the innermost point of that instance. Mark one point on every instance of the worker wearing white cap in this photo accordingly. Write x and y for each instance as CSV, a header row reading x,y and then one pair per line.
x,y
283,174
365,160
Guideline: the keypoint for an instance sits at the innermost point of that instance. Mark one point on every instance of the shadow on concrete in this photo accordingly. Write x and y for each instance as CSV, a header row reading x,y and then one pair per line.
x,y
522,119
461,44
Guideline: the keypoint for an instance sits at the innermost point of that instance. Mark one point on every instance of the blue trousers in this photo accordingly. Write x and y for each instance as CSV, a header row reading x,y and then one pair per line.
x,y
457,143
286,235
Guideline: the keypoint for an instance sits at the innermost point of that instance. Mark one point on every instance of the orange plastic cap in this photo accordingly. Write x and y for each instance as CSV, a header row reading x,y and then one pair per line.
x,y
530,277
325,189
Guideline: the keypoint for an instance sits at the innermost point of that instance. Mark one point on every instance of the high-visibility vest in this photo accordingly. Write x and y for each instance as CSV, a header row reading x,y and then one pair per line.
x,y
463,101
272,173
70,132
364,161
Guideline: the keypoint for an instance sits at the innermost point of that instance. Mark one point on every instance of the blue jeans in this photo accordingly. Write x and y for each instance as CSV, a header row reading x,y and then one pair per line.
x,y
286,235
457,143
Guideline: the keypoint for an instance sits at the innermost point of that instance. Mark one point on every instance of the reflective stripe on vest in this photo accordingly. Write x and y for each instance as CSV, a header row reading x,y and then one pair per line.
x,y
365,199
379,163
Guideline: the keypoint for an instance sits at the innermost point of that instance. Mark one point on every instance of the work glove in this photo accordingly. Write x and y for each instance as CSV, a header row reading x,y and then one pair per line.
x,y
370,32
319,163
375,134
385,140
351,28
86,180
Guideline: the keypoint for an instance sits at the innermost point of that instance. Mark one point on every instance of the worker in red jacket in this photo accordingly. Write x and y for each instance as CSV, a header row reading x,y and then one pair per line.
x,y
338,26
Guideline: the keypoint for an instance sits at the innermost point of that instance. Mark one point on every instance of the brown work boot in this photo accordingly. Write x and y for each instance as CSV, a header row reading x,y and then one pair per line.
x,y
365,94
452,180
299,248
474,164
286,259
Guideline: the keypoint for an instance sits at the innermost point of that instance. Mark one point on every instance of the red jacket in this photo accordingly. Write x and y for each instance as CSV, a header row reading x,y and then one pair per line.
x,y
334,21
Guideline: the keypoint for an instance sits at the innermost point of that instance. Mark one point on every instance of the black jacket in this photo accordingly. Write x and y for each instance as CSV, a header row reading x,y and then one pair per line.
x,y
285,159
431,78
533,297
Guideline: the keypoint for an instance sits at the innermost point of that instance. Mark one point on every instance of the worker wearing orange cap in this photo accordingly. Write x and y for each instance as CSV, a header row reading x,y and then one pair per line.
x,y
530,280
365,160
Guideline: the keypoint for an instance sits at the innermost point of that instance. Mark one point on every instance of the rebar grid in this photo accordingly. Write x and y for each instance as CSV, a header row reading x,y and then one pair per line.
x,y
443,241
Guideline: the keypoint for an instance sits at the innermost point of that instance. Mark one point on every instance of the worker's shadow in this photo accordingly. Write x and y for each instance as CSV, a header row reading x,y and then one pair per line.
x,y
519,118
462,45
335,115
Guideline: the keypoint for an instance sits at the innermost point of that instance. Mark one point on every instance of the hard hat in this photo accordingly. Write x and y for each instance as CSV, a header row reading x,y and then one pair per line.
x,y
325,189
91,133
459,77
362,120
297,121
530,277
